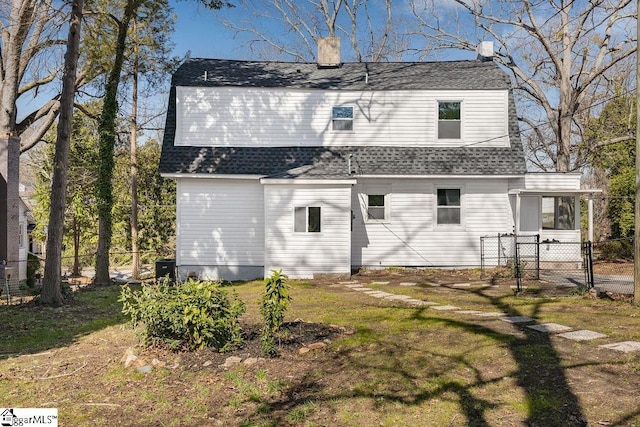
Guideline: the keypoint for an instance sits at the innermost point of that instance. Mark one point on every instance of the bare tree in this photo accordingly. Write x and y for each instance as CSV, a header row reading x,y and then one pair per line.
x,y
51,292
29,36
289,29
560,54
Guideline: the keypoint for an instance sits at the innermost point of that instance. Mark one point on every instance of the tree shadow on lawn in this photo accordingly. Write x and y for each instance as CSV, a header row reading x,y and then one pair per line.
x,y
539,374
31,328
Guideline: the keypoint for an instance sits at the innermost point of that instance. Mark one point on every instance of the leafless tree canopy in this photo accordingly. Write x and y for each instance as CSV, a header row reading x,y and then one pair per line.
x,y
562,54
289,29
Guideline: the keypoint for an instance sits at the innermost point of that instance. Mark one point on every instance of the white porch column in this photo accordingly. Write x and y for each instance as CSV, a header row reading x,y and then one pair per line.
x,y
590,209
517,227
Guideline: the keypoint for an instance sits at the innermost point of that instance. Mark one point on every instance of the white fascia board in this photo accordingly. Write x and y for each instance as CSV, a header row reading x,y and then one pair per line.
x,y
277,181
440,176
558,192
209,176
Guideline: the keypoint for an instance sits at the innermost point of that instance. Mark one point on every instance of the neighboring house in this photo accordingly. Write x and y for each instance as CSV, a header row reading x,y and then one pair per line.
x,y
25,219
326,168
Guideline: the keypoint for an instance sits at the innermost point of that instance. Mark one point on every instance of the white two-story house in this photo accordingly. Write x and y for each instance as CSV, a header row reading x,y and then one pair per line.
x,y
326,168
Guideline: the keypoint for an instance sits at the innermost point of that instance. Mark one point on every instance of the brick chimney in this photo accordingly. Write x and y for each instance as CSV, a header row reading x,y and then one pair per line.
x,y
9,200
484,51
329,52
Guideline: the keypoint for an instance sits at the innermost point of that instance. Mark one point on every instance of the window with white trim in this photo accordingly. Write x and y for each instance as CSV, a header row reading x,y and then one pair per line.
x,y
449,206
376,207
558,213
307,219
449,119
342,118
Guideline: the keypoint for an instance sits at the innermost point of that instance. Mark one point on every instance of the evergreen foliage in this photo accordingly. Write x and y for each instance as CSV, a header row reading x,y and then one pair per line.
x,y
189,315
275,302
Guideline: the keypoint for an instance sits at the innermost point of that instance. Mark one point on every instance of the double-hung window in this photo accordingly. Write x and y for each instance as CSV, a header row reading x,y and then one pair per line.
x,y
449,120
342,118
307,219
376,209
449,207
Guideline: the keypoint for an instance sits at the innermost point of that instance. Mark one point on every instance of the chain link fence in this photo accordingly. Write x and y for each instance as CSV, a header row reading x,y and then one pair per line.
x,y
22,281
606,265
612,265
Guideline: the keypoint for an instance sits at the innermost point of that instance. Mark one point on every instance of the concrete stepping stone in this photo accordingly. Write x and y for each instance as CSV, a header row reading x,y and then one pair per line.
x,y
624,346
445,307
468,312
378,294
461,285
379,283
352,285
363,289
435,285
350,282
582,335
408,284
398,297
518,319
492,314
420,302
550,328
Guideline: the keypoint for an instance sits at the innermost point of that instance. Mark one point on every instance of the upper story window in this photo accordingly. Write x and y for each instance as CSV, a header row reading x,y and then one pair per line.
x,y
342,118
448,206
307,219
558,213
449,120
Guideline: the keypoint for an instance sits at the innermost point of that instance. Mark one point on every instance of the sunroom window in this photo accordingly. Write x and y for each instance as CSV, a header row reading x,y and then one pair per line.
x,y
558,213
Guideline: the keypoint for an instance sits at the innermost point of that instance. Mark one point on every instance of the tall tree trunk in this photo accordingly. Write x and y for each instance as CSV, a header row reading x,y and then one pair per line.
x,y
135,274
107,140
51,293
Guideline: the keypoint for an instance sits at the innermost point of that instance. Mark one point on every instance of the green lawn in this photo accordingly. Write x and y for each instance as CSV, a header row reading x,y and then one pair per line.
x,y
402,365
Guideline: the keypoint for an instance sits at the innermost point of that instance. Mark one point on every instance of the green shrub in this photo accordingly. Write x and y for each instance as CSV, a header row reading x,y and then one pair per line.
x,y
33,267
614,250
274,304
192,315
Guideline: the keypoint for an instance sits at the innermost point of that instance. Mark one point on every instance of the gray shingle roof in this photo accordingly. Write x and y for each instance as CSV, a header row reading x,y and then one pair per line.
x,y
321,162
349,76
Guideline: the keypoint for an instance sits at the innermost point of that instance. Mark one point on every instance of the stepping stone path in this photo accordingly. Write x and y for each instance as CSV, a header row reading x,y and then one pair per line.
x,y
549,328
517,319
445,307
582,335
553,328
625,346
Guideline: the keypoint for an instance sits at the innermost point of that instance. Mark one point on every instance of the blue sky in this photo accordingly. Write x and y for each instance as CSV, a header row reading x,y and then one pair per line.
x,y
199,31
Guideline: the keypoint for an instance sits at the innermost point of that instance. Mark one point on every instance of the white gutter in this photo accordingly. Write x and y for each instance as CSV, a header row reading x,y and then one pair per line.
x,y
209,176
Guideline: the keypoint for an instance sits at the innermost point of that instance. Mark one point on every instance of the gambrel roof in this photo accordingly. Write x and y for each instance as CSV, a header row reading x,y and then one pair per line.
x,y
292,162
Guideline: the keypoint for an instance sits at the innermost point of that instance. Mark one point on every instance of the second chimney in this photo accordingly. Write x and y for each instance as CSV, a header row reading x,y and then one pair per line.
x,y
484,51
328,52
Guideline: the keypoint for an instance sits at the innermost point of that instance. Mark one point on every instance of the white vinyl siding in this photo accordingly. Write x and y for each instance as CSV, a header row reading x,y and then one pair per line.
x,y
220,230
301,255
548,181
413,238
274,117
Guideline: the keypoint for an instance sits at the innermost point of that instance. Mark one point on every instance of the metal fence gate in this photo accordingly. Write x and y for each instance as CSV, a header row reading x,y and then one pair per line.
x,y
526,258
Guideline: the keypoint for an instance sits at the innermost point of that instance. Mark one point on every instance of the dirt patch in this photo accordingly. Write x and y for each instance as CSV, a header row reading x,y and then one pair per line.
x,y
381,363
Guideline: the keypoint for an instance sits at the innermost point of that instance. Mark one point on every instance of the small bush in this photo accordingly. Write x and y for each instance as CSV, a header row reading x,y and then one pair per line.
x,y
193,315
275,302
33,267
614,250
